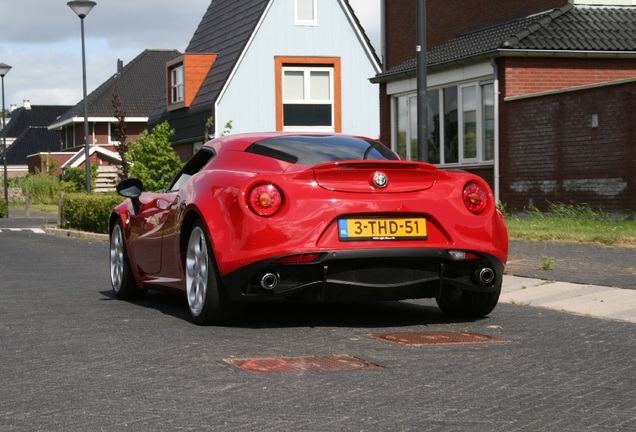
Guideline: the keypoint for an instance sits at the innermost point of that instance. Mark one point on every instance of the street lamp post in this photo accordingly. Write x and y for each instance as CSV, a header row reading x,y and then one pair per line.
x,y
4,69
82,8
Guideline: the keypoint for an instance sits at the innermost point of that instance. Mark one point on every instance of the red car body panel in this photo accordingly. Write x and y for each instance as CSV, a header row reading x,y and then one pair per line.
x,y
314,199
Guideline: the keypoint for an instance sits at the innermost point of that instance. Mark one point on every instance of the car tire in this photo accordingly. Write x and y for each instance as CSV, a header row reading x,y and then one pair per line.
x,y
121,277
207,300
456,302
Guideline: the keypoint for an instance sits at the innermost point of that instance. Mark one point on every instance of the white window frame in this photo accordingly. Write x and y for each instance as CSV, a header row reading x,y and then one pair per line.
x,y
463,160
302,22
479,106
307,100
111,131
177,88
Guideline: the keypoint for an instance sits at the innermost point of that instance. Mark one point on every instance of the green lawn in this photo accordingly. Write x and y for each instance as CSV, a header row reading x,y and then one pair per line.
x,y
47,208
573,223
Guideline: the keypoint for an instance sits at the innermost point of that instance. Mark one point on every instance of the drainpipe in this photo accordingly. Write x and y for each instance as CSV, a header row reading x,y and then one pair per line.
x,y
496,108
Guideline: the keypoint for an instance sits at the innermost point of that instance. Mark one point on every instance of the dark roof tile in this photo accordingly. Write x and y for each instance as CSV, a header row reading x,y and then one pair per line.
x,y
37,115
139,85
33,140
568,28
225,30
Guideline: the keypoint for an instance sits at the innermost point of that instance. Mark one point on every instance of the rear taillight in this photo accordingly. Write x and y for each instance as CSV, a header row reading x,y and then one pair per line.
x,y
264,199
475,198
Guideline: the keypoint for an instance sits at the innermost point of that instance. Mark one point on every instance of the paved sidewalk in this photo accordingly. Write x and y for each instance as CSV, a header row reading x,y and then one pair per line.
x,y
587,279
591,300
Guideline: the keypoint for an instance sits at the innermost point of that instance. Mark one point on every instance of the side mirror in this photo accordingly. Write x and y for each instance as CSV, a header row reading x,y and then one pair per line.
x,y
130,188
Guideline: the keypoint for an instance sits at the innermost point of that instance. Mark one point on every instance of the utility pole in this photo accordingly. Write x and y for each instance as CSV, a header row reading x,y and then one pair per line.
x,y
422,106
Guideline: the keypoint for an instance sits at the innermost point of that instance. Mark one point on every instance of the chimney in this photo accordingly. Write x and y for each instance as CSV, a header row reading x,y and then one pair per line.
x,y
12,107
26,104
120,66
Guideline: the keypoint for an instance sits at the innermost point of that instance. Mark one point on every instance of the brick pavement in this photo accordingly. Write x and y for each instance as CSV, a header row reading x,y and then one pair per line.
x,y
75,359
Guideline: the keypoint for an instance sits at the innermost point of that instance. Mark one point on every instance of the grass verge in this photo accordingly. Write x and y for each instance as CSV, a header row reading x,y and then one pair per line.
x,y
575,223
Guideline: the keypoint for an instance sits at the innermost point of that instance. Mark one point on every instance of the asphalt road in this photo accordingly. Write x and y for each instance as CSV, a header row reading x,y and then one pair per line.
x,y
72,358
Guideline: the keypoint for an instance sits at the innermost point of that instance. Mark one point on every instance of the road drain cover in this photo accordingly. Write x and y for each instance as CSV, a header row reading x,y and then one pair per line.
x,y
301,364
437,338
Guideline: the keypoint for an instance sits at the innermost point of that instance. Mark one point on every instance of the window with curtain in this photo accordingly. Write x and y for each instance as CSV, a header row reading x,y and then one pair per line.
x,y
308,100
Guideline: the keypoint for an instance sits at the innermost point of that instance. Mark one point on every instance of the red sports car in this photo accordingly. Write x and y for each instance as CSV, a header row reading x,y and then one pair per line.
x,y
309,217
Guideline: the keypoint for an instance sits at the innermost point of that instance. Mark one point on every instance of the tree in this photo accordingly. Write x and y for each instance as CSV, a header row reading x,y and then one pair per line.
x,y
119,129
209,126
152,159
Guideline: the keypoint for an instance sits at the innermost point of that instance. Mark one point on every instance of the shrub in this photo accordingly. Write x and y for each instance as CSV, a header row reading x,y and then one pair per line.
x,y
3,208
152,159
74,179
88,212
43,188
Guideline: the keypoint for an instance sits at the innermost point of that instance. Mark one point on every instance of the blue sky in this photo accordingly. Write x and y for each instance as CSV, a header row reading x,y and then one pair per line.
x,y
40,40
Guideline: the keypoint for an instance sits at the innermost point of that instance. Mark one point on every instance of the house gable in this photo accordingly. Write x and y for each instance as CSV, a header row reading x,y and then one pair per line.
x,y
247,36
335,41
224,30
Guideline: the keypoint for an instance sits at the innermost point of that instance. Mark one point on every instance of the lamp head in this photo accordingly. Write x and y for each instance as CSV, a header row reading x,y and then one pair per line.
x,y
4,69
81,8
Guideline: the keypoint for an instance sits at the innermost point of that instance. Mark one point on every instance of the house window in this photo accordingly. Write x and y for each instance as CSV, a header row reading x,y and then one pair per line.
x,y
306,12
469,123
308,94
308,98
407,145
488,123
464,133
112,134
450,130
177,93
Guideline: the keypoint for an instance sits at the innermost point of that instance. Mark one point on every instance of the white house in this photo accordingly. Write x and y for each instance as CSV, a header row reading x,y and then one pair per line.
x,y
255,65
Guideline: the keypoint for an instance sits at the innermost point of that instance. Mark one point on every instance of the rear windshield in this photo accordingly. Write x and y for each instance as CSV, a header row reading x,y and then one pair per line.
x,y
316,149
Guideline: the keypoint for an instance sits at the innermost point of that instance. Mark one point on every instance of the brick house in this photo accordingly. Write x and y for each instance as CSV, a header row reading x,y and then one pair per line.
x,y
26,133
139,84
265,65
536,96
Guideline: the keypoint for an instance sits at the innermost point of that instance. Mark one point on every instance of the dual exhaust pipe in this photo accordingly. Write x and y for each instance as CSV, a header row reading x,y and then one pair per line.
x,y
484,276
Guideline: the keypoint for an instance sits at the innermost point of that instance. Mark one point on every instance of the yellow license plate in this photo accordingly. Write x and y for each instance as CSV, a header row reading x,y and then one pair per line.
x,y
382,229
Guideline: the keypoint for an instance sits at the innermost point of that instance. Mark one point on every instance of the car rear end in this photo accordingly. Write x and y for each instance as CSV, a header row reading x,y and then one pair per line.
x,y
371,228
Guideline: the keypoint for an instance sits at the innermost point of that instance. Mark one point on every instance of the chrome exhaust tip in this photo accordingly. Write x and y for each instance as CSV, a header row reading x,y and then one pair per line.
x,y
486,275
269,281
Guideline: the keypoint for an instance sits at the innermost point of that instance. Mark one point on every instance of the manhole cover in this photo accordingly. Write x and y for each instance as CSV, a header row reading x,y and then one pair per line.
x,y
436,338
301,364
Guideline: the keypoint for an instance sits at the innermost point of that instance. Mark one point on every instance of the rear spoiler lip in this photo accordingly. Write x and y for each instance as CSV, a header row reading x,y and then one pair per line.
x,y
375,164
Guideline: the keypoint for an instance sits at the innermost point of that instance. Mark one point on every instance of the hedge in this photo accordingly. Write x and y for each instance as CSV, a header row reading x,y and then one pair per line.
x,y
3,208
86,212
